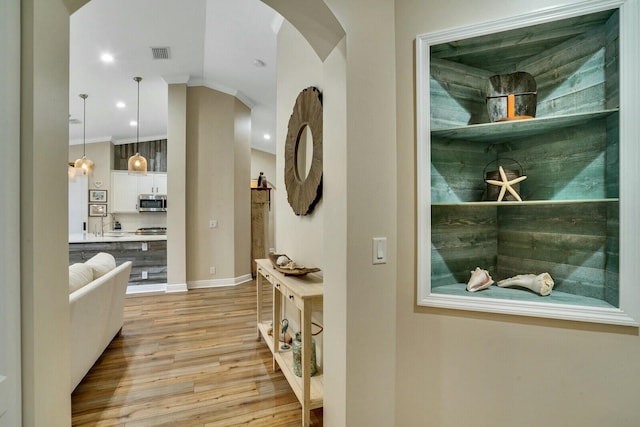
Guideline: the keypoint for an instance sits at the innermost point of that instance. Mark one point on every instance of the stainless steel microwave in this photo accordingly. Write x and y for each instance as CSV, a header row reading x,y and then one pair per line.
x,y
152,203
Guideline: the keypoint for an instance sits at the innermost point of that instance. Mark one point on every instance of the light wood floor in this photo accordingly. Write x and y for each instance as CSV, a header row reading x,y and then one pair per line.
x,y
188,359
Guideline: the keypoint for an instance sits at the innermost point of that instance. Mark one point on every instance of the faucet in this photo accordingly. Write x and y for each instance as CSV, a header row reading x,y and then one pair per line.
x,y
95,228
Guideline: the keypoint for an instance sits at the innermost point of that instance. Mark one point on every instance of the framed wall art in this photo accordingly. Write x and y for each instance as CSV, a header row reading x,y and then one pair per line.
x,y
97,209
97,196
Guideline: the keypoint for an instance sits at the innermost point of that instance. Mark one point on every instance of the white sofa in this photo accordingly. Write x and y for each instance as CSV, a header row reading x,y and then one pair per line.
x,y
97,289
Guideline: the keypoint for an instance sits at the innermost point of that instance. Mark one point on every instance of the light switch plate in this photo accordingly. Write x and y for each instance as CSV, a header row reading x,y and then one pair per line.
x,y
379,253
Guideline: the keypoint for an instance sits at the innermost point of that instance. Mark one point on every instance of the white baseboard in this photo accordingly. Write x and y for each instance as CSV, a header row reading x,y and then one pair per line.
x,y
184,287
217,283
177,287
143,289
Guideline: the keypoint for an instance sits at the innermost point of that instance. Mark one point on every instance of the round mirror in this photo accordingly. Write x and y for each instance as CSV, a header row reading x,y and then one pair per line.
x,y
304,153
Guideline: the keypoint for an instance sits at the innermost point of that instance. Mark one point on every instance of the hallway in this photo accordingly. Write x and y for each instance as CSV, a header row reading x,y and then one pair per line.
x,y
188,359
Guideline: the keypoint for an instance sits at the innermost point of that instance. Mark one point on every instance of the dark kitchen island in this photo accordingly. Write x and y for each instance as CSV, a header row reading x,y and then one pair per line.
x,y
148,253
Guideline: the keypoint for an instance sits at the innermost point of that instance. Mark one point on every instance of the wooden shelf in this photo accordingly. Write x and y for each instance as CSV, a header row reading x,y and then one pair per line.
x,y
505,131
264,327
306,293
529,202
577,153
285,361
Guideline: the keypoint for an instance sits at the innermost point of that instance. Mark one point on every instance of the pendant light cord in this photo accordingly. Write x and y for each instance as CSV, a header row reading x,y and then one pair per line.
x,y
138,79
84,97
138,117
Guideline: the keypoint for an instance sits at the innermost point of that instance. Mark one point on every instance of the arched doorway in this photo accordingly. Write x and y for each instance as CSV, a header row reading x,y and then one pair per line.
x,y
44,328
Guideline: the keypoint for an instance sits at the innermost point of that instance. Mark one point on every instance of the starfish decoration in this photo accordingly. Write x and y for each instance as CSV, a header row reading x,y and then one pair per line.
x,y
506,184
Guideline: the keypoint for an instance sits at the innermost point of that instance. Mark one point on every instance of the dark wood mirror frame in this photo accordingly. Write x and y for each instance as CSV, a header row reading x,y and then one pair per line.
x,y
304,194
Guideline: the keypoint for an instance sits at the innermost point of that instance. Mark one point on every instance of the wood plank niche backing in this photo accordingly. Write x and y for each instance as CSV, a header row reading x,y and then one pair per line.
x,y
576,240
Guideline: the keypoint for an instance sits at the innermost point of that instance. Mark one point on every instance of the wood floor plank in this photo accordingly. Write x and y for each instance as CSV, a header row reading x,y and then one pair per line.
x,y
188,359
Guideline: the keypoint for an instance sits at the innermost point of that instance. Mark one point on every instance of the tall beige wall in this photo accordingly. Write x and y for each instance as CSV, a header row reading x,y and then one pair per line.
x,y
371,208
242,188
358,204
299,67
212,172
458,368
335,249
10,384
43,213
176,187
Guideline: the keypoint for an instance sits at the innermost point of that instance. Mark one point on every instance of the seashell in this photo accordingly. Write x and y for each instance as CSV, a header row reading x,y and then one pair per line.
x,y
541,284
282,260
480,279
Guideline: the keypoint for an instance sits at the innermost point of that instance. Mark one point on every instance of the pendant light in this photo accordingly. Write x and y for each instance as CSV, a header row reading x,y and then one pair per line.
x,y
85,165
137,164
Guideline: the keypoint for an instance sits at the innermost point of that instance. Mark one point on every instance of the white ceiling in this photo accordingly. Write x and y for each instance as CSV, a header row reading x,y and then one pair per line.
x,y
211,42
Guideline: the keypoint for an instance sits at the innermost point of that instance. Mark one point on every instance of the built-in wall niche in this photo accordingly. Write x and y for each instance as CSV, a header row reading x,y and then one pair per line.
x,y
580,153
154,151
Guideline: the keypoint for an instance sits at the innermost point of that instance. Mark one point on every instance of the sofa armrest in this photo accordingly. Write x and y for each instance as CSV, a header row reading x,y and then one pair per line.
x,y
96,316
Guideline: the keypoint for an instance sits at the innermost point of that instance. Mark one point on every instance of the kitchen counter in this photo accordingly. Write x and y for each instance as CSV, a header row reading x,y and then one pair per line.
x,y
148,253
115,236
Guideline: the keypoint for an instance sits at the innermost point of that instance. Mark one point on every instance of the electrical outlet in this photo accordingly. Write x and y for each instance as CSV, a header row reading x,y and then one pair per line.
x,y
145,275
212,270
145,246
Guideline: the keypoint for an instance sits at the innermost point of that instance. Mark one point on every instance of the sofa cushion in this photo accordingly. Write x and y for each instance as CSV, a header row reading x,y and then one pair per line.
x,y
79,275
101,263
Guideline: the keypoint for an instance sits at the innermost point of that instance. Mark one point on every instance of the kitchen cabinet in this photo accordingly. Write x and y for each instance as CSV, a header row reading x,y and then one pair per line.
x,y
569,222
155,183
125,189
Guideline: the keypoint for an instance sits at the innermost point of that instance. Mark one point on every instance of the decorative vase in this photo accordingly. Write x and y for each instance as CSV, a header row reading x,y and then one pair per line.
x,y
297,356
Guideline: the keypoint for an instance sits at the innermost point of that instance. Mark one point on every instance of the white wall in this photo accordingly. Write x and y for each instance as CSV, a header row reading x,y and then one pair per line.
x,y
457,368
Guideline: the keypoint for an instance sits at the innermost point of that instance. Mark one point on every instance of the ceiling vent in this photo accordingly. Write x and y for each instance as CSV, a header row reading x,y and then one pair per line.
x,y
160,52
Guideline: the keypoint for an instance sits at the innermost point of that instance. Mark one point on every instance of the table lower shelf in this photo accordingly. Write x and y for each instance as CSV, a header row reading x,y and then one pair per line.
x,y
285,362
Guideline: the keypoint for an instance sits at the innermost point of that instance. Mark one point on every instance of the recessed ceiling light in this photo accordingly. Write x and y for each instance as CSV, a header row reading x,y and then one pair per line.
x,y
107,57
267,136
120,104
259,63
133,123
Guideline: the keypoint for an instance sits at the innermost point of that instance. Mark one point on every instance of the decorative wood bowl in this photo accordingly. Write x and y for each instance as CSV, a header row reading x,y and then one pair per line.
x,y
289,271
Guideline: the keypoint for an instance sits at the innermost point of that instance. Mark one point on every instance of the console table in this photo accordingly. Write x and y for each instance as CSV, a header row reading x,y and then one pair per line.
x,y
304,292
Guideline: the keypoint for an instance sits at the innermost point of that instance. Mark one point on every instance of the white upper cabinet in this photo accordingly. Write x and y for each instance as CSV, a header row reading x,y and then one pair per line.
x,y
125,189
